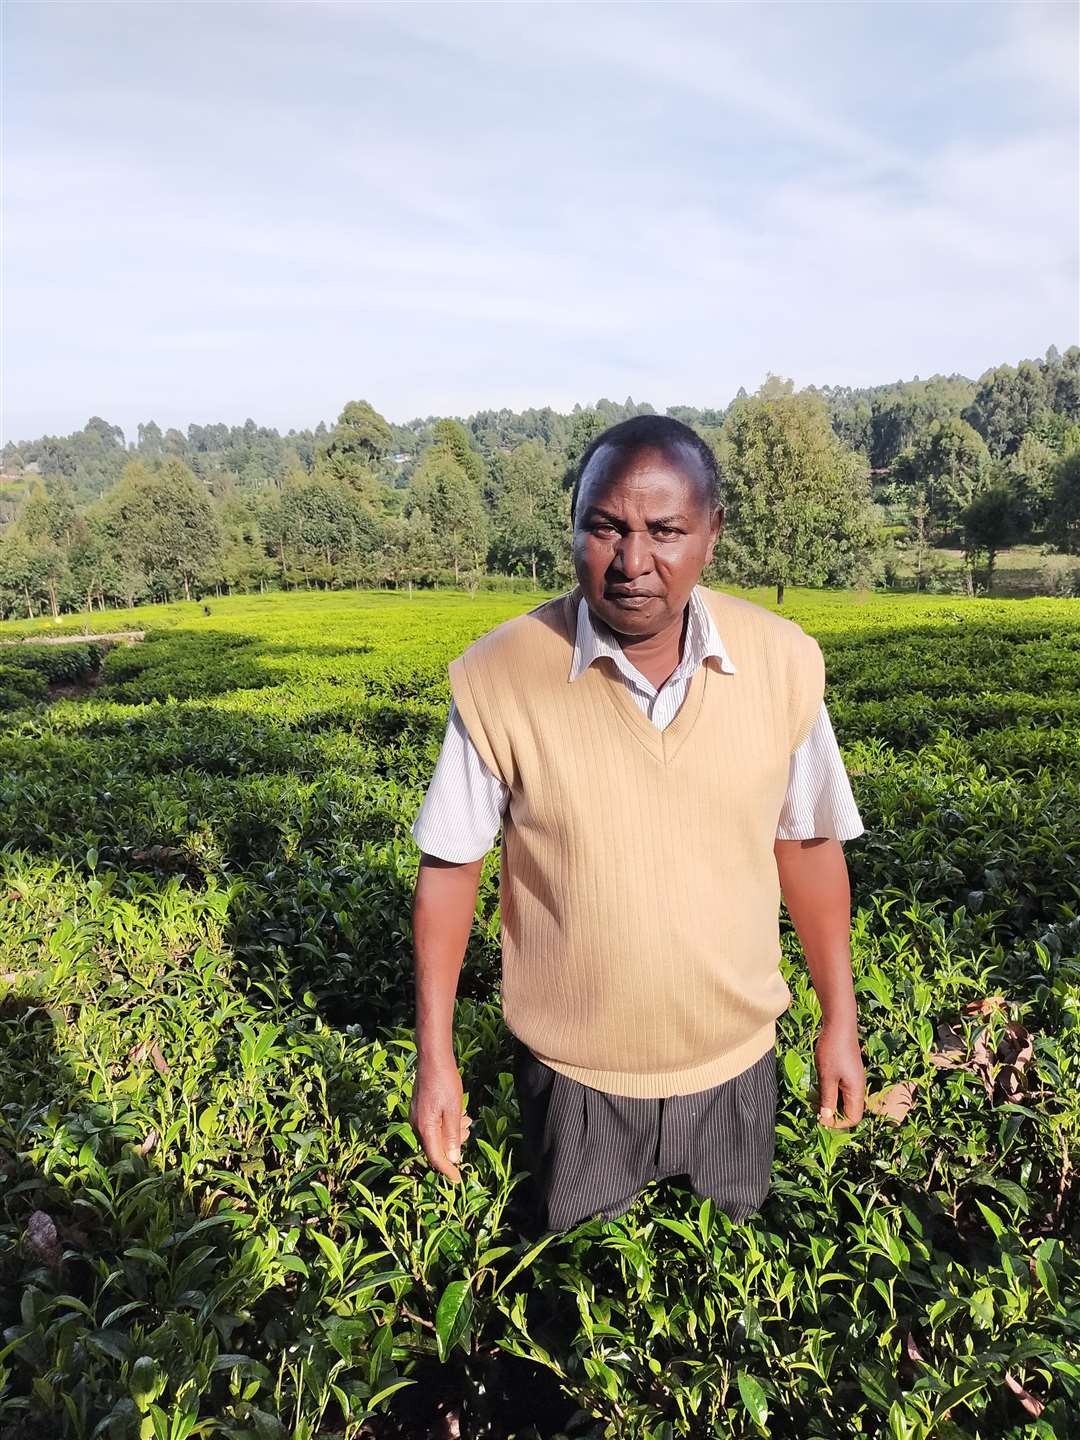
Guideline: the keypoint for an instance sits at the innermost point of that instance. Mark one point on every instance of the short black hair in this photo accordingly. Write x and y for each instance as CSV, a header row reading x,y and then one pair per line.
x,y
659,432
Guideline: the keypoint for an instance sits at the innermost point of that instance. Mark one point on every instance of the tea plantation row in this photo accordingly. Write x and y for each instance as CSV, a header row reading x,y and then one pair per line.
x,y
214,1218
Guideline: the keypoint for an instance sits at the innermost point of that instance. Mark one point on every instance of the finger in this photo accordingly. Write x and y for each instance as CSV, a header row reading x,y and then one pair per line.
x,y
436,1152
451,1138
854,1088
827,1097
430,1132
440,1163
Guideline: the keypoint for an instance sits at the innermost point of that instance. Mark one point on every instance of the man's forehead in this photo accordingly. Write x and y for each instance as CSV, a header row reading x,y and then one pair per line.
x,y
610,504
613,472
613,462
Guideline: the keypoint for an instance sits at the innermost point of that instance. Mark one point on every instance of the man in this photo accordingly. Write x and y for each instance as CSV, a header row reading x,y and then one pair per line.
x,y
659,788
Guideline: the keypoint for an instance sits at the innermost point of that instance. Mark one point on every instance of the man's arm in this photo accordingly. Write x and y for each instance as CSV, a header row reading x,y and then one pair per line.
x,y
814,883
456,827
444,904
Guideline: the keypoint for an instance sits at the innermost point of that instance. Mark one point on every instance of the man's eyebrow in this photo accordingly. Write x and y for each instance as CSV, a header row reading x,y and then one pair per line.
x,y
592,510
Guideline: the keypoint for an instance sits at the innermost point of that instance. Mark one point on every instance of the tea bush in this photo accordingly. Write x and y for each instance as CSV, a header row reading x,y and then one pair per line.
x,y
215,1219
48,664
18,684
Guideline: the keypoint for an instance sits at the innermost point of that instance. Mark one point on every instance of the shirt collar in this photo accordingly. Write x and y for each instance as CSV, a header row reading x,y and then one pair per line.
x,y
594,639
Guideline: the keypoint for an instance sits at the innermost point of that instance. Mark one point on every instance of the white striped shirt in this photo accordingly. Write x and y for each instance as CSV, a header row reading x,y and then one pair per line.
x,y
462,810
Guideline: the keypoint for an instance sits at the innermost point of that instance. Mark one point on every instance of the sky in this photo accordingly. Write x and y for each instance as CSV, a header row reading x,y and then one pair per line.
x,y
216,211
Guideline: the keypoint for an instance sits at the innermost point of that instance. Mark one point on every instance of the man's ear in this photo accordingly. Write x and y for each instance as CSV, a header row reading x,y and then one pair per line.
x,y
717,518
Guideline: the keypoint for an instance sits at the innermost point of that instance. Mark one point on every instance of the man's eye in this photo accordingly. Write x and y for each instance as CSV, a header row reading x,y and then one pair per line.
x,y
666,530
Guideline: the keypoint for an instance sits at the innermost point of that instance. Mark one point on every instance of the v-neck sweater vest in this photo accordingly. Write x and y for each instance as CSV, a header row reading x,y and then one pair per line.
x,y
639,895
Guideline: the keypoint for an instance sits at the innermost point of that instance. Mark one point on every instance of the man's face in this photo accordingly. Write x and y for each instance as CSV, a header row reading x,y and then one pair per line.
x,y
642,523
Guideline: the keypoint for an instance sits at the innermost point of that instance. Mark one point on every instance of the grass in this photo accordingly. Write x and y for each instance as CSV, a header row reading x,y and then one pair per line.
x,y
1020,572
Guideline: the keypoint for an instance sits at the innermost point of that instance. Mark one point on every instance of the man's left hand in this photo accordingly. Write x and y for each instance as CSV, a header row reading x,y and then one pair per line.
x,y
840,1071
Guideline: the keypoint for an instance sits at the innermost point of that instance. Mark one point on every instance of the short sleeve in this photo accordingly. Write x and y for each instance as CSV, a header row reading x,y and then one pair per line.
x,y
819,802
462,810
806,687
468,709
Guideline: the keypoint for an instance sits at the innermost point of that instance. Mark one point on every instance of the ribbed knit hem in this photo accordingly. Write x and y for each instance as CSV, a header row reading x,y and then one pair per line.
x,y
657,1084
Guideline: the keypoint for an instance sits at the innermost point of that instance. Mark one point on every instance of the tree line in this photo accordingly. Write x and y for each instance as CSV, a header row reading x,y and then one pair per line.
x,y
822,486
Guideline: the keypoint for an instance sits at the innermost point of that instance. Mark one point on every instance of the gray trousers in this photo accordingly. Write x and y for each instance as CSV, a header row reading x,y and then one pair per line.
x,y
591,1153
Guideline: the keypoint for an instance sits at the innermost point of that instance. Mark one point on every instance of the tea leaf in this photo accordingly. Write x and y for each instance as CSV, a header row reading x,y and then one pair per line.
x,y
753,1398
453,1317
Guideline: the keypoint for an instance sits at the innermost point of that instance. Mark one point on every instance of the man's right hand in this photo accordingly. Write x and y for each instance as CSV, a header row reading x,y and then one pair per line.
x,y
436,1115
443,910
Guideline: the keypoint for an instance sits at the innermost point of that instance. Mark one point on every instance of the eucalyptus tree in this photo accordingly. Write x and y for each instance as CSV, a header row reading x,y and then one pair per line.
x,y
163,519
450,497
1009,401
351,452
532,522
1063,517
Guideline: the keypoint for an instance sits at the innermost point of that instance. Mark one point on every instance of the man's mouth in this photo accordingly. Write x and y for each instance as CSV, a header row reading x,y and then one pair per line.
x,y
632,599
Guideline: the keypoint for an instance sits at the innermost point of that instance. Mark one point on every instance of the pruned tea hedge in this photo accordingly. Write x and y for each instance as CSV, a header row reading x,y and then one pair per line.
x,y
214,1217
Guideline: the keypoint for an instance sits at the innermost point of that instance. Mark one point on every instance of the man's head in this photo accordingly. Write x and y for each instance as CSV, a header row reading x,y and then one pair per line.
x,y
647,514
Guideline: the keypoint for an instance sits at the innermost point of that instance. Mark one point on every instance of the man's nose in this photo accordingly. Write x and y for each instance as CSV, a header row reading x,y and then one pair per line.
x,y
634,553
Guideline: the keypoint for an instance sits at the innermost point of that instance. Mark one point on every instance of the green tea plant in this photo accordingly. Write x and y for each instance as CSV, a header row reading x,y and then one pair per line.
x,y
215,1219
26,671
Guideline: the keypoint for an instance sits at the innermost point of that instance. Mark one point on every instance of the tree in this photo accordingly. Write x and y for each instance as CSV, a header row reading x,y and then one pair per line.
x,y
163,519
323,520
48,514
919,533
1008,403
956,464
993,521
948,465
1030,468
100,567
452,438
444,491
111,436
90,459
150,438
244,561
420,558
901,413
799,501
23,578
585,427
1064,378
532,522
405,553
1063,516
45,522
273,524
351,452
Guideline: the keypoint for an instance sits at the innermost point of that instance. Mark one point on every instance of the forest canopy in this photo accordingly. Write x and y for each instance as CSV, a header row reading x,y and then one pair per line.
x,y
97,518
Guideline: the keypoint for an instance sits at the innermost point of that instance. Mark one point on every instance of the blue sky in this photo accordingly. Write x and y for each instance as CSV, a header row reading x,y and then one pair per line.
x,y
213,211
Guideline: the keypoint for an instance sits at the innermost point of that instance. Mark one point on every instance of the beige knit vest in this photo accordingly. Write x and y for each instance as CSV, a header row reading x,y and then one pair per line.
x,y
639,895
